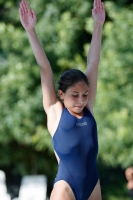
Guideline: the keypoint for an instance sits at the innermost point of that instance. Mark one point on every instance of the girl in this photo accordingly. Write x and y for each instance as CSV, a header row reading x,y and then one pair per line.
x,y
70,121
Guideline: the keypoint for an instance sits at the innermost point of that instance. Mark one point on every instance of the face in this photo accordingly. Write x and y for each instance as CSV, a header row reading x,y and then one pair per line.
x,y
76,97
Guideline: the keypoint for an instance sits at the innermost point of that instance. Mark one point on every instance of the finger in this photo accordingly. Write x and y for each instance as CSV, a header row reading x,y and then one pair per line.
x,y
33,14
98,3
21,12
102,6
23,7
20,9
94,11
27,6
95,4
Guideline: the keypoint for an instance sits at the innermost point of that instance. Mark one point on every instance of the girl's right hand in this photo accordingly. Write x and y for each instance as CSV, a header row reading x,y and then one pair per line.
x,y
27,16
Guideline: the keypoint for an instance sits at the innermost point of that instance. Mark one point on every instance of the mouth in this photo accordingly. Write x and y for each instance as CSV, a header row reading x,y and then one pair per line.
x,y
79,106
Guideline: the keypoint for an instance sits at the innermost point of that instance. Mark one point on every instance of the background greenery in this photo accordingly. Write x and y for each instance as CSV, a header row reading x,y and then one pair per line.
x,y
64,29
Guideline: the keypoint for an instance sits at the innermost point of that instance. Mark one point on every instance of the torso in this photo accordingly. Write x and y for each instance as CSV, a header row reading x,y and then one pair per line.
x,y
75,141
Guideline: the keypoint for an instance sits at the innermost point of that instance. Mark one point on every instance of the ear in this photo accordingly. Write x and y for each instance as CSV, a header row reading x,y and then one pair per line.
x,y
61,94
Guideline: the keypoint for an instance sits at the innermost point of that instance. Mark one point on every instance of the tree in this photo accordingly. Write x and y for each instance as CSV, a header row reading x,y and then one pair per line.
x,y
64,28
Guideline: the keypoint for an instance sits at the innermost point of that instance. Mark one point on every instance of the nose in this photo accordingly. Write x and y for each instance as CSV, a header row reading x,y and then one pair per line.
x,y
81,100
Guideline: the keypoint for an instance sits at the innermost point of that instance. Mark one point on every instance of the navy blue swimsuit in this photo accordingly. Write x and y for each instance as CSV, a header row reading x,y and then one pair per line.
x,y
75,142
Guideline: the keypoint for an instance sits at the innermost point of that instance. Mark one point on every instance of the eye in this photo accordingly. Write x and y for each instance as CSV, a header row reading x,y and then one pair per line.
x,y
75,95
85,95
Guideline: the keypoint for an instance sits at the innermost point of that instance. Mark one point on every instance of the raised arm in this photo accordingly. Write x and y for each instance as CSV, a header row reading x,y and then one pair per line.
x,y
93,57
28,20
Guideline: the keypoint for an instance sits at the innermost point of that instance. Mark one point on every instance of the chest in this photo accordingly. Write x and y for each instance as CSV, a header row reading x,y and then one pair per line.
x,y
75,135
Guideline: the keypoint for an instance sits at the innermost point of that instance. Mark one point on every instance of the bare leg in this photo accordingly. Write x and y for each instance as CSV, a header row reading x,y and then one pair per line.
x,y
62,191
96,193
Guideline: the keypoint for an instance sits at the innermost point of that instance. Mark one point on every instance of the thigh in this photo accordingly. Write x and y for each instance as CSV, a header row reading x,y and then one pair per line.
x,y
96,193
62,191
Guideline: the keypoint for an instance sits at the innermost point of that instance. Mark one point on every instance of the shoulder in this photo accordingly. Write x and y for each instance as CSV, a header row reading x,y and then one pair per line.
x,y
90,108
91,114
55,109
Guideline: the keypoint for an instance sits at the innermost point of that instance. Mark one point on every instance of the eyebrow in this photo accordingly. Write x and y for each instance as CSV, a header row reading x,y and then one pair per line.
x,y
78,92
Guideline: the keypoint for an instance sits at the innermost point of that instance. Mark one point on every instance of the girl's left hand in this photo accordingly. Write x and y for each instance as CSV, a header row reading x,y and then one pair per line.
x,y
98,12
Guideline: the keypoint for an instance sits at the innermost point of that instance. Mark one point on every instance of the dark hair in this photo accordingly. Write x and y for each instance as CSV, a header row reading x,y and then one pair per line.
x,y
70,78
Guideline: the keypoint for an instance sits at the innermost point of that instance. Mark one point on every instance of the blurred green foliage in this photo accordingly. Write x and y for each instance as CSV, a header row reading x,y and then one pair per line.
x,y
64,29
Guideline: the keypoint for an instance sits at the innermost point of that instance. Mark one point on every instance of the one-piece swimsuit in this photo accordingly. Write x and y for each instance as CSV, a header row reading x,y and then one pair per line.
x,y
75,142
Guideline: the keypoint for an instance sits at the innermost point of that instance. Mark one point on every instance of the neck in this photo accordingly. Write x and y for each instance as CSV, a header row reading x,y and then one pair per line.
x,y
77,115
